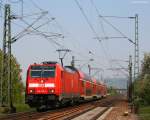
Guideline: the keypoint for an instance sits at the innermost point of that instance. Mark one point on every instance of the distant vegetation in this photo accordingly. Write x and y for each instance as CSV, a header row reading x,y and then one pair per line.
x,y
120,83
142,86
112,91
17,84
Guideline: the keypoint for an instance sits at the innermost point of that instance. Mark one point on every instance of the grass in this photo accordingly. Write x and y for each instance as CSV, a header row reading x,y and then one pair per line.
x,y
23,108
19,108
144,113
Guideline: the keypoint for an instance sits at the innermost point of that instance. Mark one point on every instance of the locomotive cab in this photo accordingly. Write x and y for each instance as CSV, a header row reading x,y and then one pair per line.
x,y
41,85
51,85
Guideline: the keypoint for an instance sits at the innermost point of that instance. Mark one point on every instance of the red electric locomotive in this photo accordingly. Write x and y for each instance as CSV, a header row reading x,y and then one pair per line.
x,y
50,85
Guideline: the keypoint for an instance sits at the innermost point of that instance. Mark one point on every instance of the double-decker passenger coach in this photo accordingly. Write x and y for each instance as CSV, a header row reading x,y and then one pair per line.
x,y
51,85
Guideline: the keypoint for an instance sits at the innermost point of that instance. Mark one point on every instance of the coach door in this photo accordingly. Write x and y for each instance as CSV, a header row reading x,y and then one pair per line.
x,y
63,83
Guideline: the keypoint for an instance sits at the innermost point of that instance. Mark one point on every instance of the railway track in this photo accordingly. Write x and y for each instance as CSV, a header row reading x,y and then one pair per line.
x,y
67,113
53,114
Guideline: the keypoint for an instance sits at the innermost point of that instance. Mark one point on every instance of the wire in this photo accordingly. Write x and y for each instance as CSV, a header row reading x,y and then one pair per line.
x,y
117,17
57,23
102,26
89,23
44,35
36,5
93,30
33,14
61,29
43,24
115,28
29,26
15,1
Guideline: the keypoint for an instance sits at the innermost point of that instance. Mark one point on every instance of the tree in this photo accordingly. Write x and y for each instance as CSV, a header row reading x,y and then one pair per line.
x,y
146,65
17,85
142,84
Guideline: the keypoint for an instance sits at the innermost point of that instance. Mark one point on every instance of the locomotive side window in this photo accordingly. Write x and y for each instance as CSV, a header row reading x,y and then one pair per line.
x,y
42,71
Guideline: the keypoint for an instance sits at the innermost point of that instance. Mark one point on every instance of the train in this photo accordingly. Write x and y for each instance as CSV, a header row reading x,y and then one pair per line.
x,y
48,84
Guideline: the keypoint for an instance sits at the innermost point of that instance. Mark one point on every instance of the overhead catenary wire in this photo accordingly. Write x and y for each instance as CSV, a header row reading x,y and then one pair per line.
x,y
61,28
44,35
109,23
32,31
18,2
102,26
58,24
108,56
93,29
54,19
29,15
36,6
40,32
89,23
121,17
19,35
34,3
26,30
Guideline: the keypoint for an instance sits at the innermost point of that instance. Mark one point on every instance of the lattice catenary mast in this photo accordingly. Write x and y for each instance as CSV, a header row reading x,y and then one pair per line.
x,y
136,54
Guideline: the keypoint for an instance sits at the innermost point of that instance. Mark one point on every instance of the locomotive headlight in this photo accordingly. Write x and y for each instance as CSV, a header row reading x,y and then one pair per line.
x,y
51,91
42,81
31,91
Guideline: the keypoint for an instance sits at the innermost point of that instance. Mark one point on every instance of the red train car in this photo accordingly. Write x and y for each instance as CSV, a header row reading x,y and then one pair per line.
x,y
50,85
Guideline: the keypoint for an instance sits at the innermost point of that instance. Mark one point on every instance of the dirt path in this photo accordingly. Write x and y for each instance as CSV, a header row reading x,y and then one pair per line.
x,y
118,111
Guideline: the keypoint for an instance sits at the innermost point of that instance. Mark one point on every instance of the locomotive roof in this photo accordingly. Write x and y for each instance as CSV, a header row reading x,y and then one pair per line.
x,y
82,74
49,62
72,69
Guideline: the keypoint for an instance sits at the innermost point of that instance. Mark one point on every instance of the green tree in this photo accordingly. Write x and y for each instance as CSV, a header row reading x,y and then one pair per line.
x,y
142,84
146,65
17,85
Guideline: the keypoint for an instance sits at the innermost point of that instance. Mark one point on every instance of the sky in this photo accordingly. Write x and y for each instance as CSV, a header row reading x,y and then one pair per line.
x,y
66,25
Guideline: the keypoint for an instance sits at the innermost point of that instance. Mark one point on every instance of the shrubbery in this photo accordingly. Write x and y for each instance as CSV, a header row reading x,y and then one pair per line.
x,y
142,84
17,85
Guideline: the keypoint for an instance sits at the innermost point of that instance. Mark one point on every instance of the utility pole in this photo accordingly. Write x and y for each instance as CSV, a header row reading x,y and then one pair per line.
x,y
6,36
6,80
136,54
130,85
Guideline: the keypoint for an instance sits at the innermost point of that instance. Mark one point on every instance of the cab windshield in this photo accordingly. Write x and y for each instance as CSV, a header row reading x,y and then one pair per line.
x,y
42,71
